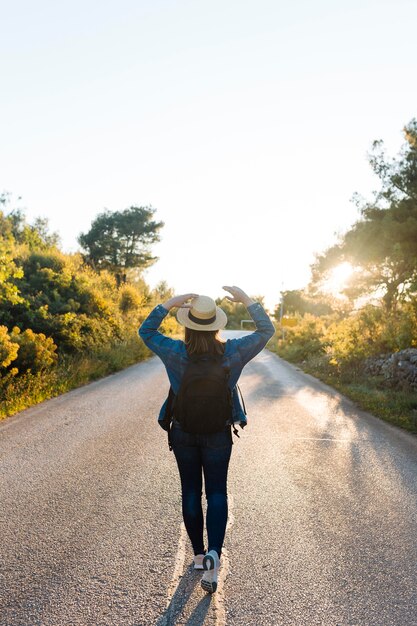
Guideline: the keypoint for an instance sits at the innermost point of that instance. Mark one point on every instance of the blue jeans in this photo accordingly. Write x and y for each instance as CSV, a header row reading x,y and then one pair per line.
x,y
195,455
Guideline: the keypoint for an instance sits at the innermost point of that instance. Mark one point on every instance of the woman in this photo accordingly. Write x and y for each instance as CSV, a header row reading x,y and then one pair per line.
x,y
209,454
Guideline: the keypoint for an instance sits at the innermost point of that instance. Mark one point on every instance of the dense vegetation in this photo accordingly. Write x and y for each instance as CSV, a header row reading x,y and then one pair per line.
x,y
377,313
66,319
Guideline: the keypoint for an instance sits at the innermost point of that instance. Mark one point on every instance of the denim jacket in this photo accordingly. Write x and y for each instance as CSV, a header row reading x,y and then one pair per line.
x,y
238,352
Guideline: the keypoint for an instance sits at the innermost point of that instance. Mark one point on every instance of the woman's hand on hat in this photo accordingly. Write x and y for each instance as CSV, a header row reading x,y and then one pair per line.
x,y
180,301
238,295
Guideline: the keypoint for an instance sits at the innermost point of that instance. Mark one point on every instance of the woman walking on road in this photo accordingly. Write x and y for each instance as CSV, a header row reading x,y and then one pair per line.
x,y
209,454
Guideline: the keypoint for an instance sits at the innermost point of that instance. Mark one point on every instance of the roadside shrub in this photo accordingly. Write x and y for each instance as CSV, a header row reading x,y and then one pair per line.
x,y
170,326
77,333
129,299
8,348
36,352
304,340
400,329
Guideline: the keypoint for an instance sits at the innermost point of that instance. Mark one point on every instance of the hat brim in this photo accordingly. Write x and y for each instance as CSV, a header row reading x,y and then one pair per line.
x,y
219,323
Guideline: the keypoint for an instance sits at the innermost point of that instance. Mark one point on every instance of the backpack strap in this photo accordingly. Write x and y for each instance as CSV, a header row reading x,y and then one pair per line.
x,y
169,437
241,397
169,414
244,410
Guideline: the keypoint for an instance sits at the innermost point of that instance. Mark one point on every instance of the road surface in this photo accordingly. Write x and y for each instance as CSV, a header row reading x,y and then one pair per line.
x,y
322,526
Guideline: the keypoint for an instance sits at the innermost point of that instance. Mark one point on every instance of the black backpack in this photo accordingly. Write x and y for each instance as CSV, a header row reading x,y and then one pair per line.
x,y
203,404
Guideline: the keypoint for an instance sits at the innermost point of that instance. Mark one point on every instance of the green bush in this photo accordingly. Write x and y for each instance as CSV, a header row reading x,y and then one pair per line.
x,y
304,340
369,332
8,348
130,299
36,351
75,333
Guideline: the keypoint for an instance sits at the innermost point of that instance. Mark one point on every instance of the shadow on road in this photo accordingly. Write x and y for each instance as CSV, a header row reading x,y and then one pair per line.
x,y
185,600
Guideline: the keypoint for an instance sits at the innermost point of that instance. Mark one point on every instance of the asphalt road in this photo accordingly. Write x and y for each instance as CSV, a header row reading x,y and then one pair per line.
x,y
322,526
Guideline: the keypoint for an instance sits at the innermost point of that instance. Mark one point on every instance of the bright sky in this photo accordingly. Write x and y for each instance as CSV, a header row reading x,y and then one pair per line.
x,y
244,123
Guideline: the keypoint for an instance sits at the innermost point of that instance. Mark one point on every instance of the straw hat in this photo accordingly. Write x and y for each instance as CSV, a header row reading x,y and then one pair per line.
x,y
203,315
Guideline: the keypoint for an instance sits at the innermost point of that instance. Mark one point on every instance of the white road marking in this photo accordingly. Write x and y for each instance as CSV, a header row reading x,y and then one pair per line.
x,y
290,438
219,596
319,439
179,564
219,600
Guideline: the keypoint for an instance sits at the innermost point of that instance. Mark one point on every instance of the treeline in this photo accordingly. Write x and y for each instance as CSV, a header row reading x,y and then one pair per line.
x,y
238,312
377,312
66,319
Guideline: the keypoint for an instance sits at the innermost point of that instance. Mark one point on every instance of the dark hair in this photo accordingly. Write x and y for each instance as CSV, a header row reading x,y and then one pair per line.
x,y
198,341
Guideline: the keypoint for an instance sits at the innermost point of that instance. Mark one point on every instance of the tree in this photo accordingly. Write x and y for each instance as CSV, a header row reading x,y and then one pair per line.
x,y
34,236
120,240
383,243
297,301
9,270
163,291
236,312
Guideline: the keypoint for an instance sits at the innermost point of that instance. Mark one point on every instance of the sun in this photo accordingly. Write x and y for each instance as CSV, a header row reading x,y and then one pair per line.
x,y
338,278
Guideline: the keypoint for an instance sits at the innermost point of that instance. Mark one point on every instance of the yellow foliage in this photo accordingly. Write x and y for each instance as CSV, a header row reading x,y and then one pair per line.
x,y
130,299
170,326
8,349
36,351
289,322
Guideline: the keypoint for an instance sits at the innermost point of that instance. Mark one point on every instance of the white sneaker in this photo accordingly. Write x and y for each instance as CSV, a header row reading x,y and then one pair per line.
x,y
211,564
198,561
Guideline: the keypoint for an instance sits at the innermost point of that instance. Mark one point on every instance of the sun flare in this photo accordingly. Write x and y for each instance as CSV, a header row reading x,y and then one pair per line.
x,y
338,278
